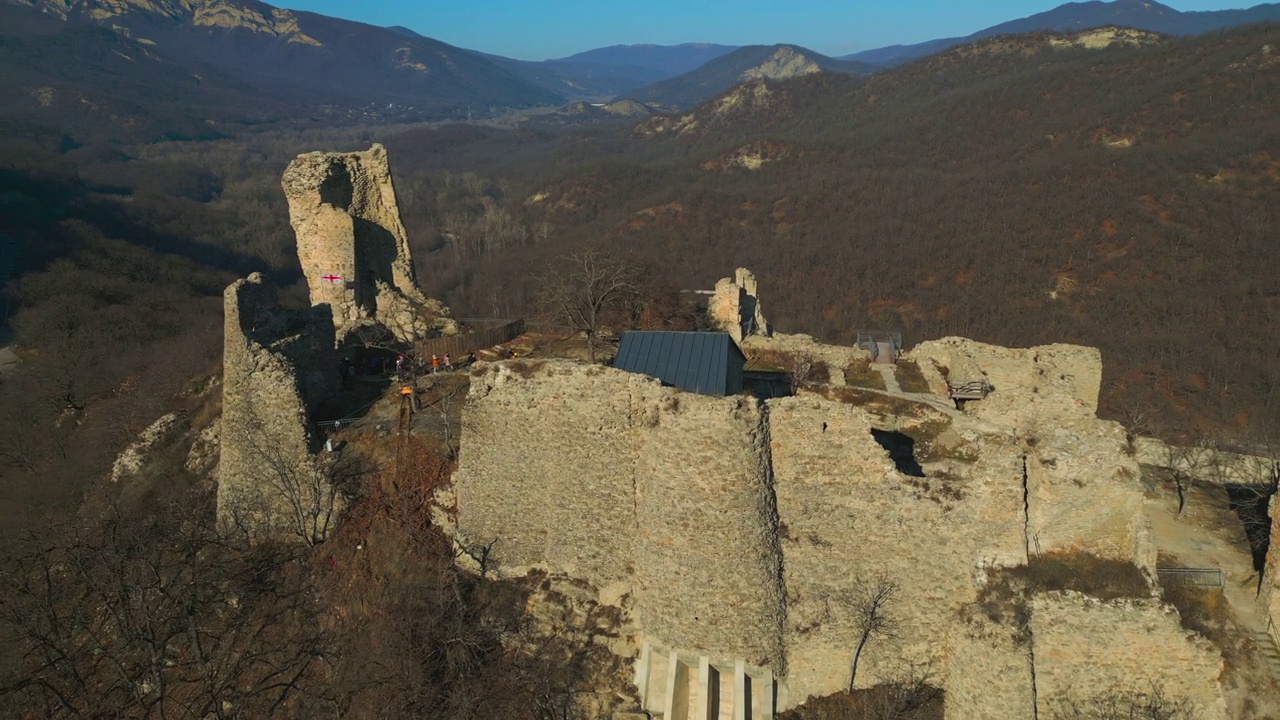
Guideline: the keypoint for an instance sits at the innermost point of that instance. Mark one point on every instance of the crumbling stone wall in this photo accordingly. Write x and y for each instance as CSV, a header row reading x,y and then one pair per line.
x,y
608,476
742,530
352,246
735,308
850,517
1086,647
1084,493
277,367
989,671
548,467
1030,384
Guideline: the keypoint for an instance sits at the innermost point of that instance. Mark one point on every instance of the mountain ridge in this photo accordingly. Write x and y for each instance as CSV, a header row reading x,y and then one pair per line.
x,y
752,62
344,60
1075,16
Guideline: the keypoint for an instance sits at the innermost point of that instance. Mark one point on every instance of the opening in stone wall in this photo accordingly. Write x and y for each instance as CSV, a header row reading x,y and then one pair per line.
x,y
902,450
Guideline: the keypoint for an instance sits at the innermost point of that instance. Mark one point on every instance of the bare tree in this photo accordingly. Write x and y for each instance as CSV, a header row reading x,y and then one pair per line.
x,y
1126,704
298,492
582,288
869,604
158,618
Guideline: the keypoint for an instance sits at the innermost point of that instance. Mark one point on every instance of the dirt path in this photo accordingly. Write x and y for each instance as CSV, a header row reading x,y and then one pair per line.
x,y
1209,534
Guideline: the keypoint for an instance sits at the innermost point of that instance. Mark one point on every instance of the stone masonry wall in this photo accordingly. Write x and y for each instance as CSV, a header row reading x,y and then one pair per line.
x,y
989,672
707,560
848,516
735,307
744,530
1084,493
548,467
1086,647
608,476
1030,384
267,470
344,212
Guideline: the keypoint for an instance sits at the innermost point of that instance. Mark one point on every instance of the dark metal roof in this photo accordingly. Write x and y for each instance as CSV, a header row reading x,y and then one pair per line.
x,y
706,363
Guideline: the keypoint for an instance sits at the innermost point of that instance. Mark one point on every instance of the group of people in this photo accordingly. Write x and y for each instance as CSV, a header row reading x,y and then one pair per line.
x,y
405,365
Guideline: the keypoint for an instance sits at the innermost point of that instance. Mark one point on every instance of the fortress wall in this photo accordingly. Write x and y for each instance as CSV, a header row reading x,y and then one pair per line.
x,y
1086,647
266,441
989,672
707,563
548,466
848,516
1084,494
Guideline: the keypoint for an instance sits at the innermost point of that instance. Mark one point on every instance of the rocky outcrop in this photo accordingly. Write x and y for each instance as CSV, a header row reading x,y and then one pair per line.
x,y
784,63
735,308
277,368
352,246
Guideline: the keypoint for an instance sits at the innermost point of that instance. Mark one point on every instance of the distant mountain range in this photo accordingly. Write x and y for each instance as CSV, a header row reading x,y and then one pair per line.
x,y
243,48
669,60
1071,17
331,58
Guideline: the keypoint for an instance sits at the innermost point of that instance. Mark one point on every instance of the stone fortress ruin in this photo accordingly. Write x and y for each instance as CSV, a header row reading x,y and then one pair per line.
x,y
736,533
280,366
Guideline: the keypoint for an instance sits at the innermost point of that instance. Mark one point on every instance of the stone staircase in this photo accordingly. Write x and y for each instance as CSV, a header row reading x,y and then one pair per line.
x,y
1268,651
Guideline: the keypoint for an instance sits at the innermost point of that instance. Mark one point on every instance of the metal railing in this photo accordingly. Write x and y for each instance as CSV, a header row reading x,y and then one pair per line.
x,y
1193,577
459,345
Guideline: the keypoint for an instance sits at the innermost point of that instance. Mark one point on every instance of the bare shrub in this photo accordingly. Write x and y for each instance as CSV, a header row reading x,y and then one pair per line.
x,y
910,379
908,697
1102,578
1129,704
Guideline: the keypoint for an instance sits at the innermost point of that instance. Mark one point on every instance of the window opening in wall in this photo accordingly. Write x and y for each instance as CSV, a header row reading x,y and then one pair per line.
x,y
902,450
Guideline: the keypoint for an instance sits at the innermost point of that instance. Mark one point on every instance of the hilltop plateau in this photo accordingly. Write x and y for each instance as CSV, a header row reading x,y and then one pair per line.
x,y
179,265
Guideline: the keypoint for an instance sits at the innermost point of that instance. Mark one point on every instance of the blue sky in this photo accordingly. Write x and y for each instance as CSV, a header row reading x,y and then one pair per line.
x,y
534,30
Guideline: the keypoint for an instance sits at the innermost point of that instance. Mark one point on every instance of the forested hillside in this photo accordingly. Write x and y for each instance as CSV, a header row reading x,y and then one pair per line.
x,y
1009,191
1022,190
1012,192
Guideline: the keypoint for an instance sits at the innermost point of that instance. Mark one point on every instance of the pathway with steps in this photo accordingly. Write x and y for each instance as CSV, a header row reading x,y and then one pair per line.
x,y
1268,651
890,379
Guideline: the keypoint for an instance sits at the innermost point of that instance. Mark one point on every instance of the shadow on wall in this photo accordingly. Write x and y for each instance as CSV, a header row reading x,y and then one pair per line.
x,y
1251,503
902,450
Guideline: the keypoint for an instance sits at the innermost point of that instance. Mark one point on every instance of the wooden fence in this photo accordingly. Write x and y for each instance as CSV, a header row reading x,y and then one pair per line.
x,y
460,345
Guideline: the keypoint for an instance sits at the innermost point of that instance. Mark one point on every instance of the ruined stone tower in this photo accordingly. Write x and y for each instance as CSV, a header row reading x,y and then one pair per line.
x,y
352,245
735,308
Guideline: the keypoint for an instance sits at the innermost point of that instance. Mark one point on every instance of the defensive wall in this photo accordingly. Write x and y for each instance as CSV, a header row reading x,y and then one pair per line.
x,y
739,530
277,367
1086,648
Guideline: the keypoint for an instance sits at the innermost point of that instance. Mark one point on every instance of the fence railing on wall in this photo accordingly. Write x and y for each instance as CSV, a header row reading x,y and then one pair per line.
x,y
1193,577
459,345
